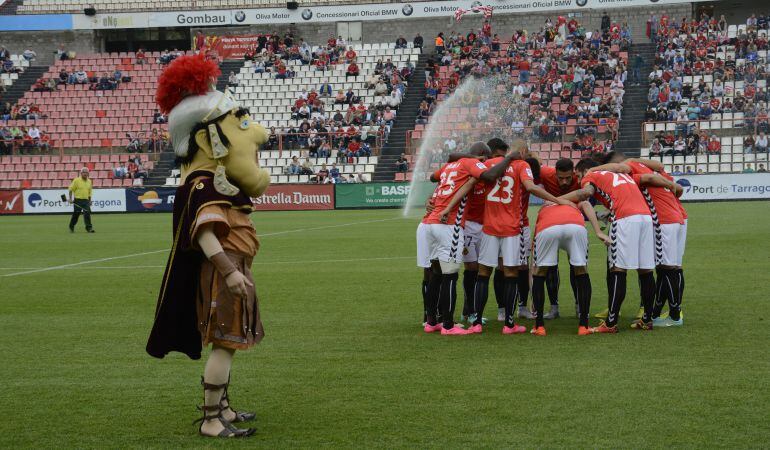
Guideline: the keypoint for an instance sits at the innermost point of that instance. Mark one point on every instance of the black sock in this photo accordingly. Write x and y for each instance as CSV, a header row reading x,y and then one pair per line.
x,y
583,291
523,281
676,280
447,299
510,298
552,284
573,282
469,283
431,298
425,300
647,289
661,294
499,285
616,282
538,298
480,294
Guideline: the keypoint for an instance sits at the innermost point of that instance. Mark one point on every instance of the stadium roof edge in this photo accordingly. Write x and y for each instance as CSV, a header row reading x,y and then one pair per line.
x,y
313,14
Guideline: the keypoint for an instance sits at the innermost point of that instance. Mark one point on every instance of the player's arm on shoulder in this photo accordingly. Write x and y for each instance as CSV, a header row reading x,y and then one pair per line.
x,y
538,191
612,167
656,180
456,156
580,195
655,166
590,213
462,192
493,173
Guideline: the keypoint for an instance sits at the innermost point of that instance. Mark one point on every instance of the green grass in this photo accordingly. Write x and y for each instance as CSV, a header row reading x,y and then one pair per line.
x,y
345,363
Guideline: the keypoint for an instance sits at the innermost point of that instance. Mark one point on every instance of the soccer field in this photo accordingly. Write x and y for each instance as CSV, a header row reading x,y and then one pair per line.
x,y
345,362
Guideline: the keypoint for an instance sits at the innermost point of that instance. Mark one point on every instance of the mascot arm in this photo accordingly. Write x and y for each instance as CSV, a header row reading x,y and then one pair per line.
x,y
237,283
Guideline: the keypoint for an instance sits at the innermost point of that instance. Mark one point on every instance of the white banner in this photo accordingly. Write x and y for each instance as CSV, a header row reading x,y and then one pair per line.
x,y
341,13
37,201
743,186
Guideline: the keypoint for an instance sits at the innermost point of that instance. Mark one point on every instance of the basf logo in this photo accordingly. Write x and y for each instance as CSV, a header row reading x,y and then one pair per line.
x,y
34,200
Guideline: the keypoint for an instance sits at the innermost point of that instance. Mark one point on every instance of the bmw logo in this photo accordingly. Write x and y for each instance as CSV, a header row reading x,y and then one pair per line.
x,y
581,3
240,16
654,1
476,4
307,14
407,10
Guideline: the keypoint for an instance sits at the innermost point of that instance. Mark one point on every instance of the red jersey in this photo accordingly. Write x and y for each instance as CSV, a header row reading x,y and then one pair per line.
x,y
453,176
553,214
618,192
678,202
551,183
474,210
505,200
661,199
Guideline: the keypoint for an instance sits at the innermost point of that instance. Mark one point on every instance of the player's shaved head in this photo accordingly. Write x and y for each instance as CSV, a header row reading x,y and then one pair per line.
x,y
497,146
613,157
534,164
520,145
480,149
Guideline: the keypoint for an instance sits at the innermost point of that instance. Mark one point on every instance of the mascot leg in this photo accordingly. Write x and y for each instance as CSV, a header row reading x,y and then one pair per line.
x,y
215,379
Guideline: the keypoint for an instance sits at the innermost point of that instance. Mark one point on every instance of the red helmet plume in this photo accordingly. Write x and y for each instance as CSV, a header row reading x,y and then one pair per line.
x,y
185,76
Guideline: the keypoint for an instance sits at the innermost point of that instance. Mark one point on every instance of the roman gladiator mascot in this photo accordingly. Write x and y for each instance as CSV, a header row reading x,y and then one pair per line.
x,y
208,295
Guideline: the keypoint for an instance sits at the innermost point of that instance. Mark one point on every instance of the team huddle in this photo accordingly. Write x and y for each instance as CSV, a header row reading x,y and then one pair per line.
x,y
477,218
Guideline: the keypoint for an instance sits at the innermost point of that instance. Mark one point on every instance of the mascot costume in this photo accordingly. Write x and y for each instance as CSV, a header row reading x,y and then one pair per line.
x,y
208,295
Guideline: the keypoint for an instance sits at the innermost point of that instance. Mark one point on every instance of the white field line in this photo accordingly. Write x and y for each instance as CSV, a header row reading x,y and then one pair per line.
x,y
112,258
385,258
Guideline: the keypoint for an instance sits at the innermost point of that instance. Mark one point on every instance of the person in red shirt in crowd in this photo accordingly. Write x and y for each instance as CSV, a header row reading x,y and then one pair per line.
x,y
350,55
504,224
440,238
353,147
631,233
132,169
352,70
714,146
668,221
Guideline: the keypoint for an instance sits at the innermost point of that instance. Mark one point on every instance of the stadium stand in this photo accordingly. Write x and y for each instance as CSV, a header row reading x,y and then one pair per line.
x,y
310,100
562,89
25,171
77,6
708,99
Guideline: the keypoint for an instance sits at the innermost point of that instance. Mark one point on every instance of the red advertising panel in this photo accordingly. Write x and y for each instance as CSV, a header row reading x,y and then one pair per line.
x,y
232,47
288,197
11,202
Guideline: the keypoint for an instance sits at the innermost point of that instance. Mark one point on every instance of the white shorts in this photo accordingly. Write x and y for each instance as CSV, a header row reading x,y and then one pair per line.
x,y
570,237
445,242
633,244
493,247
423,246
667,245
526,238
682,240
472,234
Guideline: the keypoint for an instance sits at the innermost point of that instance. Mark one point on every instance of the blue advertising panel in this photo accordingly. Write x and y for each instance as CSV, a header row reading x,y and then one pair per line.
x,y
159,199
38,22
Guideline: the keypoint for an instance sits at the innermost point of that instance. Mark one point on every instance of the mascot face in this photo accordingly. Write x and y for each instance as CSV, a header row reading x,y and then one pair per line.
x,y
243,138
